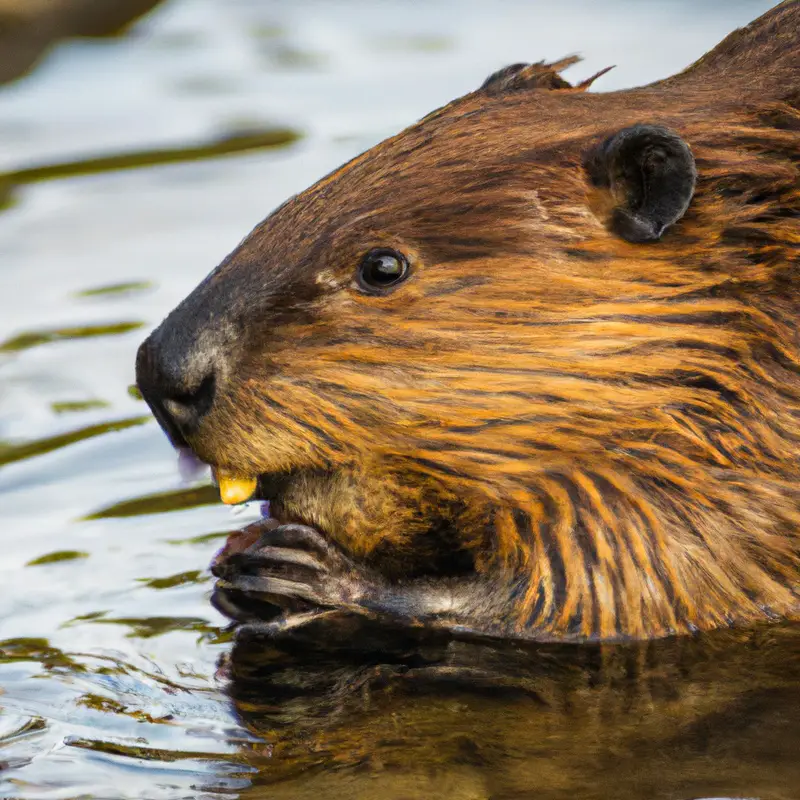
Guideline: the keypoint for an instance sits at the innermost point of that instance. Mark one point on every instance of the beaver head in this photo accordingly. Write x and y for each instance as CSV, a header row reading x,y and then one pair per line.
x,y
543,334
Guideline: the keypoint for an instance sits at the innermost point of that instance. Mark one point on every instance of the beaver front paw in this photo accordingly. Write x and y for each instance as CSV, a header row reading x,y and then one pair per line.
x,y
289,568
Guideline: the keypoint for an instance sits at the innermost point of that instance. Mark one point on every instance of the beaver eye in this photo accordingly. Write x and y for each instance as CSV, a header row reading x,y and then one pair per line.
x,y
381,269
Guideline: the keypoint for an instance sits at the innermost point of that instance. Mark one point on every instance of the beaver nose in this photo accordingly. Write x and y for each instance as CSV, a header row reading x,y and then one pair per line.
x,y
177,380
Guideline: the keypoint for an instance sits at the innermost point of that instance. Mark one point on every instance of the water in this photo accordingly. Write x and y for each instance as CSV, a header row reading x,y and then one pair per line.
x,y
114,675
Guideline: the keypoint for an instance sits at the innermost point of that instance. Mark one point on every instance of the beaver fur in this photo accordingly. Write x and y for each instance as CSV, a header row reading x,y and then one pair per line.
x,y
579,416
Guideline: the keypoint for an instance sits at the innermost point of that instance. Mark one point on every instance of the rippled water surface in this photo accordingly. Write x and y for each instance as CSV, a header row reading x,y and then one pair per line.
x,y
130,167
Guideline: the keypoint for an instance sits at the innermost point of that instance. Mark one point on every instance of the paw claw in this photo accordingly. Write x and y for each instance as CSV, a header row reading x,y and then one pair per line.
x,y
296,536
271,587
291,567
268,555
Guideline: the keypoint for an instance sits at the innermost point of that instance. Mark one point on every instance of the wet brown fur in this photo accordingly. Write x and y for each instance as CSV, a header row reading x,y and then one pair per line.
x,y
613,429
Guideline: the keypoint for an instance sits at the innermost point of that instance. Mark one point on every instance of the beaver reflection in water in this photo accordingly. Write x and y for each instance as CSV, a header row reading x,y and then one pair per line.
x,y
528,369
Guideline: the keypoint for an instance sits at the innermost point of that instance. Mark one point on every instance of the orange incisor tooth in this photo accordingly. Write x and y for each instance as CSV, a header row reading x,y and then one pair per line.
x,y
234,490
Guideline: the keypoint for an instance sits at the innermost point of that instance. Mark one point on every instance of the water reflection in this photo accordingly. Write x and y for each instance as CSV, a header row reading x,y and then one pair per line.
x,y
10,453
192,576
160,503
56,557
695,717
25,341
148,627
230,143
117,289
159,733
73,406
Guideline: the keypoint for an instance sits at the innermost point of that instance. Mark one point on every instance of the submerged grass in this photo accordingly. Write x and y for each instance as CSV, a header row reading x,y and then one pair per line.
x,y
57,557
29,339
9,453
231,144
159,503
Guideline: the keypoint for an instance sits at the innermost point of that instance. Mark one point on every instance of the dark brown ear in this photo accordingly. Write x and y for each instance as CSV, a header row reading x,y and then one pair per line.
x,y
519,77
528,76
650,174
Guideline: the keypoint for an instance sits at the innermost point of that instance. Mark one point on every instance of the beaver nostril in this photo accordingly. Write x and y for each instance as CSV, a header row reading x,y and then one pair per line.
x,y
188,408
178,380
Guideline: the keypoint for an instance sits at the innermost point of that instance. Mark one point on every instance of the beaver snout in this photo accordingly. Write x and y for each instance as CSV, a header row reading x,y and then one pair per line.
x,y
177,376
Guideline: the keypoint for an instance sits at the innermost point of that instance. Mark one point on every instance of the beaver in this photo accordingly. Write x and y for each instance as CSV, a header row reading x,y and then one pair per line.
x,y
528,369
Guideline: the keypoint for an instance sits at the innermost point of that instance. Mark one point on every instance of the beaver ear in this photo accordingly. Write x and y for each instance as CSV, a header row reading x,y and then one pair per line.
x,y
517,77
528,76
650,174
